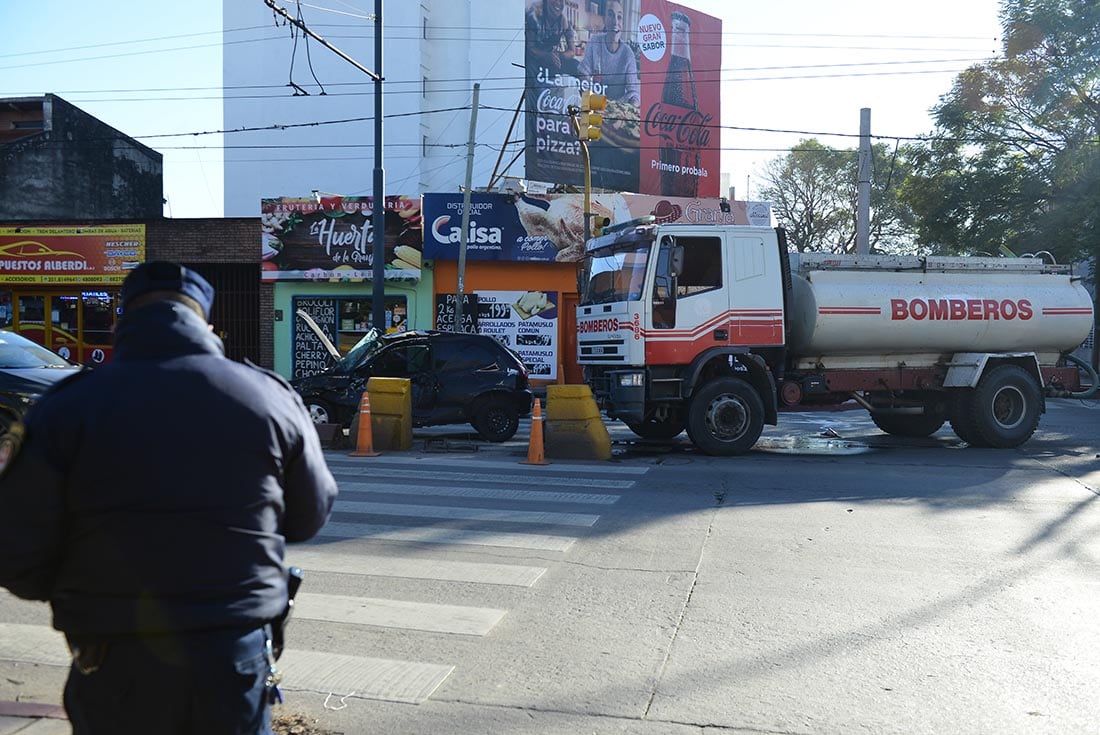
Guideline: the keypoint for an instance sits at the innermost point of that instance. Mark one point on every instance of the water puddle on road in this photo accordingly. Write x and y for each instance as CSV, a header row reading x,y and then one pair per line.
x,y
816,445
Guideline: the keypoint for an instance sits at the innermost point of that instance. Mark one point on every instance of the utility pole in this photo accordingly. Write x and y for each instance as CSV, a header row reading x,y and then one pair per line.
x,y
378,255
378,219
863,205
462,235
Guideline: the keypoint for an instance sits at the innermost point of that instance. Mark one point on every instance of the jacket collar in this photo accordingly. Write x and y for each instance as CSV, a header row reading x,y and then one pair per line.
x,y
164,329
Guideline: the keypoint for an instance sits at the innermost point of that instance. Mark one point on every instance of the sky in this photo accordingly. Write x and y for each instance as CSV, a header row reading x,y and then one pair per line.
x,y
792,69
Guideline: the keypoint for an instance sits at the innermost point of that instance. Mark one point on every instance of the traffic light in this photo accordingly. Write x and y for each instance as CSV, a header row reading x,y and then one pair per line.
x,y
591,117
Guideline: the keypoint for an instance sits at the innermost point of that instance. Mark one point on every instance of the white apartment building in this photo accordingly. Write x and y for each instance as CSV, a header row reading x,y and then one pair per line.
x,y
291,143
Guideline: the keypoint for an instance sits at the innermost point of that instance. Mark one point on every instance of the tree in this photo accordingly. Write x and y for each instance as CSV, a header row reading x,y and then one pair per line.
x,y
1015,157
814,189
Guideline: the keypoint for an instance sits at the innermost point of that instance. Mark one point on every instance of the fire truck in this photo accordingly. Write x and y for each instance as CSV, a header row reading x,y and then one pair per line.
x,y
717,329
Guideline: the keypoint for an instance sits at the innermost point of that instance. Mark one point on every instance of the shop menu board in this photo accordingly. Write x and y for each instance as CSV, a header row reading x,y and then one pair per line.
x,y
310,356
445,307
527,322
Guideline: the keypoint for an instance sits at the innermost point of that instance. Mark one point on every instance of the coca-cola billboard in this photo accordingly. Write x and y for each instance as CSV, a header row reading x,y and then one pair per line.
x,y
657,62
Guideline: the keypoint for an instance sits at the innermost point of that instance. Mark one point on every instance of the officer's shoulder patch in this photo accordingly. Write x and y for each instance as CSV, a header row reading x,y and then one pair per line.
x,y
270,373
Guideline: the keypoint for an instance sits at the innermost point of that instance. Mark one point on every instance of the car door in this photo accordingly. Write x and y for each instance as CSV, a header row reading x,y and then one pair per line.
x,y
411,360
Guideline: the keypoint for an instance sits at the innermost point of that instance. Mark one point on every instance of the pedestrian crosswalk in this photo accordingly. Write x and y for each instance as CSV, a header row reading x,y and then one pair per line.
x,y
418,547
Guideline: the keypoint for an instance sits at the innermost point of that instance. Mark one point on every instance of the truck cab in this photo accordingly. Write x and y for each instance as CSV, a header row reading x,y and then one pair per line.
x,y
664,306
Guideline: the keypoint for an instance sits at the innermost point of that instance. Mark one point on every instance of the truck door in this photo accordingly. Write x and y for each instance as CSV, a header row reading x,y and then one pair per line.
x,y
690,303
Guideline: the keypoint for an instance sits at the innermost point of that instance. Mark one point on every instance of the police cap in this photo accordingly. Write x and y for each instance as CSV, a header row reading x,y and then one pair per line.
x,y
161,275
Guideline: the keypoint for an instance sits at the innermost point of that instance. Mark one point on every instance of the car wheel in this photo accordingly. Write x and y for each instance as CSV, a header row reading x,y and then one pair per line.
x,y
496,419
319,411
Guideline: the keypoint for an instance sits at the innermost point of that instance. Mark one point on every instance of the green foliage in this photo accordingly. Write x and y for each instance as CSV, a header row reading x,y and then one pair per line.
x,y
1015,157
814,190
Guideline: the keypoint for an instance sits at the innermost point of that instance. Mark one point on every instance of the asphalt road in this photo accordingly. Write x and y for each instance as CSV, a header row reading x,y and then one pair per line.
x,y
836,580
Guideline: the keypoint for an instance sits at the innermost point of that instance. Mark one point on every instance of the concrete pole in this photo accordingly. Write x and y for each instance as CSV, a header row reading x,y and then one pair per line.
x,y
863,206
462,235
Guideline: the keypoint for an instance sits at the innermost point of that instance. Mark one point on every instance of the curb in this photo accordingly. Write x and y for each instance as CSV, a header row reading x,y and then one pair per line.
x,y
32,709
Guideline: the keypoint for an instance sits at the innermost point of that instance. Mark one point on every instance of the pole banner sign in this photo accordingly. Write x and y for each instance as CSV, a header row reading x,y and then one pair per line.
x,y
657,62
332,239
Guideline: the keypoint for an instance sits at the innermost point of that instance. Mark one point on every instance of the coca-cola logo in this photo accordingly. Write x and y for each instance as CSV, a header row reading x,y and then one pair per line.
x,y
551,101
686,128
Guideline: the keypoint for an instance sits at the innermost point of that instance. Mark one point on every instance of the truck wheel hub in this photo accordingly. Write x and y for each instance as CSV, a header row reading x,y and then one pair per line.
x,y
726,417
1009,407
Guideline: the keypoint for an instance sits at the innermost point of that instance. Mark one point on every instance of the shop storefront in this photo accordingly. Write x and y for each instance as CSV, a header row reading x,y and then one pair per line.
x,y
59,284
318,254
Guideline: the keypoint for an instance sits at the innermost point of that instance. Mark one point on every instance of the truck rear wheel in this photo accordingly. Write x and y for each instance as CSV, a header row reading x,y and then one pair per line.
x,y
1003,411
916,425
961,415
725,417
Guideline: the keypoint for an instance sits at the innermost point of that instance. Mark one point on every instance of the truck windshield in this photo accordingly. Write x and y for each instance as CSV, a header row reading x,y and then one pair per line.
x,y
614,274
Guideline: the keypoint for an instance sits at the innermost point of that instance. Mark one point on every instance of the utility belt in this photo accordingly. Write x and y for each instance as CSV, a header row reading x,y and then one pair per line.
x,y
89,653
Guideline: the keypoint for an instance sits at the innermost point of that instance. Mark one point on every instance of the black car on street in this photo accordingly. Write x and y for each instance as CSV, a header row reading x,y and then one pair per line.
x,y
27,369
454,378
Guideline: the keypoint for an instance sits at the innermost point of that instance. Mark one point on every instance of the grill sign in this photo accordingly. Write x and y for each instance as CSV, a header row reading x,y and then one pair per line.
x,y
961,309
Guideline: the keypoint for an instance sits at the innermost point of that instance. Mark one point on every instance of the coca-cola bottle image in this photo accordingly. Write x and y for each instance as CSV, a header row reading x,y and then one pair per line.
x,y
679,90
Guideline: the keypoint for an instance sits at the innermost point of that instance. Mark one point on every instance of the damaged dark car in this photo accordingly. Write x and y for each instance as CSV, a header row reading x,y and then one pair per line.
x,y
454,378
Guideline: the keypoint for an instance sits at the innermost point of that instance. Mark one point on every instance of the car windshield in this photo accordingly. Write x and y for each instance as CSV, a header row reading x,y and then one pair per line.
x,y
363,350
616,273
24,354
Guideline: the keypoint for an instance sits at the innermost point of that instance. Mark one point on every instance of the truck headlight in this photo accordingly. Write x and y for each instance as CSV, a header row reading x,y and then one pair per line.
x,y
631,380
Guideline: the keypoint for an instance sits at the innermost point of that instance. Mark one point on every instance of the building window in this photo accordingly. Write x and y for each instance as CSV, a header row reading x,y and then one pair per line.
x,y
424,88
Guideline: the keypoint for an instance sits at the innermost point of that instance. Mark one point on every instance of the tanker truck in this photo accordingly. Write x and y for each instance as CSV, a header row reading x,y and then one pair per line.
x,y
716,329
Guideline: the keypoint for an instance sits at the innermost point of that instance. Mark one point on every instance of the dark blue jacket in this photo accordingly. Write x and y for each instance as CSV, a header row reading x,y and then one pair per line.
x,y
156,493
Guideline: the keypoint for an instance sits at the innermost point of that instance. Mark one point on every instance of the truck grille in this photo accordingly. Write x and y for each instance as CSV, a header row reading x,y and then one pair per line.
x,y
602,351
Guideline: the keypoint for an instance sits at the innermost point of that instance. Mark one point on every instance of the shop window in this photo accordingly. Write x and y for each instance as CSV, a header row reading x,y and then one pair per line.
x,y
5,308
98,317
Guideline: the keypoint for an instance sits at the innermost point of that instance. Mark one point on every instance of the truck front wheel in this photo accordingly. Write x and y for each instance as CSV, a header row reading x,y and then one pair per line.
x,y
725,417
1003,411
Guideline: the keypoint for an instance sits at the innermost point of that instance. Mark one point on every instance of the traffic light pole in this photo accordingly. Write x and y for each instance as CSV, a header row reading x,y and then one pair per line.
x,y
586,121
587,174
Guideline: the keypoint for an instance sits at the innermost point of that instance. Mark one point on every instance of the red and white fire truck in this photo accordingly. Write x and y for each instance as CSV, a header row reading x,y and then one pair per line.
x,y
715,328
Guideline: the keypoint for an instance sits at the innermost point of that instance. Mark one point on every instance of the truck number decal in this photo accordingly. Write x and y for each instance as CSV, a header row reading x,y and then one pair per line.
x,y
961,309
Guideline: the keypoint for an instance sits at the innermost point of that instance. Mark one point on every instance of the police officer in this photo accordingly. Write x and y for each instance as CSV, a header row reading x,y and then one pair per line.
x,y
150,504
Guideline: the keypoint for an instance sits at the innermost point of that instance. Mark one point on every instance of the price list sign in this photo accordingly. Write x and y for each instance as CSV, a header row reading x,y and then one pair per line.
x,y
310,356
526,321
445,307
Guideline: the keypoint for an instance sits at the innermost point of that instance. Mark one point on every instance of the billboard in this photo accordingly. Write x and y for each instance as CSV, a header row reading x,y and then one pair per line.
x,y
548,228
332,238
657,62
83,254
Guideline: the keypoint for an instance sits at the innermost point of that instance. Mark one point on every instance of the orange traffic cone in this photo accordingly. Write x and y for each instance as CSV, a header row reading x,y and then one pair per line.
x,y
364,440
535,453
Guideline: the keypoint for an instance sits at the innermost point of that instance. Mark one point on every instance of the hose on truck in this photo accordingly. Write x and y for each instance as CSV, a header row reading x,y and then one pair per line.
x,y
1094,383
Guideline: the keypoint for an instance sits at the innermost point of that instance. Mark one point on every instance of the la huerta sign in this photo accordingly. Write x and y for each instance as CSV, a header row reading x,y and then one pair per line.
x,y
332,239
658,65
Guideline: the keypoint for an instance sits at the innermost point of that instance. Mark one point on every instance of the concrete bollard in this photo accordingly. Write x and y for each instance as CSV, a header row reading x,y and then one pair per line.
x,y
574,426
391,412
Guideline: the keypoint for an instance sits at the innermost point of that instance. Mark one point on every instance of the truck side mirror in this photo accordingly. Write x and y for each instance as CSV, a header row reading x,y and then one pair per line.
x,y
676,261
